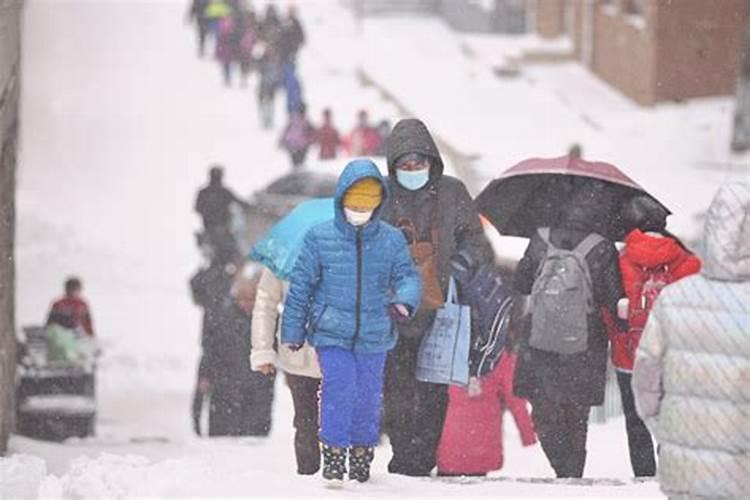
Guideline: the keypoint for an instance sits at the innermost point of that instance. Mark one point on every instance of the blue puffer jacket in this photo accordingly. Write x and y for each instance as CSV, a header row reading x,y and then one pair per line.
x,y
346,278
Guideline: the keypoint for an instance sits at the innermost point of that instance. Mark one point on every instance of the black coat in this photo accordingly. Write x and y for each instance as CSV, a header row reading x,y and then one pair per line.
x,y
241,399
444,204
213,205
578,378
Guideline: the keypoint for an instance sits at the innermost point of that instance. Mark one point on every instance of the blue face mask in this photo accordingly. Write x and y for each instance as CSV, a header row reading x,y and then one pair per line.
x,y
413,179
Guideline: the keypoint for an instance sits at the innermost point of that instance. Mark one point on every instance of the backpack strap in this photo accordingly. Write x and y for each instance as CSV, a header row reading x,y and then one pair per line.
x,y
544,233
588,244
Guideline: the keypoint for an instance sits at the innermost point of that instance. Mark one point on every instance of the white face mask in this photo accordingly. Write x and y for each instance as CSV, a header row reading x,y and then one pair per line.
x,y
357,218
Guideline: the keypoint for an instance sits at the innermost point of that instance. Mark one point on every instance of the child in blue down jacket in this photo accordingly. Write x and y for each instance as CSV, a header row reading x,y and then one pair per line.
x,y
352,276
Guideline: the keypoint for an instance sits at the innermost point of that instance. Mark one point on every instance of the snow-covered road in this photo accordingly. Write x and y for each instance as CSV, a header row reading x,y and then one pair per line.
x,y
120,120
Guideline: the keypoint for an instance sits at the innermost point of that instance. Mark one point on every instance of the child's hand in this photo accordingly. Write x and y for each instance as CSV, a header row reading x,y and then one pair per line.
x,y
475,387
400,313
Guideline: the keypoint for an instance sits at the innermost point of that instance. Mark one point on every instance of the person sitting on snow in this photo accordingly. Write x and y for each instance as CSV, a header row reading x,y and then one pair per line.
x,y
351,272
71,311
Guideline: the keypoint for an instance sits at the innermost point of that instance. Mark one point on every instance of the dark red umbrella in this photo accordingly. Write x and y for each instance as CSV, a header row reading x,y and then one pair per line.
x,y
533,193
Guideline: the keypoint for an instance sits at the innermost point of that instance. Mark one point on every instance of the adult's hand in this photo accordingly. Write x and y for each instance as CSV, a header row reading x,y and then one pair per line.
x,y
267,369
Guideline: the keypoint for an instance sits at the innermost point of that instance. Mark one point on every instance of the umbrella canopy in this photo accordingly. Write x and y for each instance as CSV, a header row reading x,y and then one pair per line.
x,y
279,248
533,194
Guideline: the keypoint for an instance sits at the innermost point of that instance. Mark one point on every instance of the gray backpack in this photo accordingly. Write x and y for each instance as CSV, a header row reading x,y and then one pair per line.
x,y
562,298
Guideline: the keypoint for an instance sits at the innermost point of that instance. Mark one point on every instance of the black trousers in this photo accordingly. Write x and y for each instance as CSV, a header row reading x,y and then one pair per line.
x,y
640,444
305,395
562,429
414,412
242,409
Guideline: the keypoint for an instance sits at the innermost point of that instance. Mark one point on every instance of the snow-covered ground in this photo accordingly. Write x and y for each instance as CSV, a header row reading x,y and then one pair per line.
x,y
119,123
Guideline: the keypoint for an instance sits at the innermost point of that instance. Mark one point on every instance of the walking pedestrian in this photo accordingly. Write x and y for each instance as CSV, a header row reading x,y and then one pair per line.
x,y
651,259
440,218
352,274
214,203
327,137
297,136
563,354
690,373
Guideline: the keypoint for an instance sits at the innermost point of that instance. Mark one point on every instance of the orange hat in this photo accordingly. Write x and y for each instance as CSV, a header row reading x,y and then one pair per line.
x,y
366,194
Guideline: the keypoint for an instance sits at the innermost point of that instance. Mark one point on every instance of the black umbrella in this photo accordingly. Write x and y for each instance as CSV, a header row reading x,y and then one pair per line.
x,y
535,192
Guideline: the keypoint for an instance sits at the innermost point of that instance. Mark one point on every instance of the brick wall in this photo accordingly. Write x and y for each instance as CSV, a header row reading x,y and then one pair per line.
x,y
10,11
624,51
550,18
698,50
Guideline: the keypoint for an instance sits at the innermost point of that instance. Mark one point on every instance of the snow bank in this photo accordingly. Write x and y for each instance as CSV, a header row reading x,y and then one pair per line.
x,y
21,476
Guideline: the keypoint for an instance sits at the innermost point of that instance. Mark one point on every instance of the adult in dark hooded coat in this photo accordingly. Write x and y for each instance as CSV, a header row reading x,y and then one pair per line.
x,y
442,212
562,388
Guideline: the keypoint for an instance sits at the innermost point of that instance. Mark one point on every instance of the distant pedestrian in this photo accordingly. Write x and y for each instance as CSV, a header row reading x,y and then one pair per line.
x,y
270,27
690,376
327,137
364,139
71,311
197,14
383,130
292,87
214,203
292,37
270,78
353,273
227,45
297,136
248,34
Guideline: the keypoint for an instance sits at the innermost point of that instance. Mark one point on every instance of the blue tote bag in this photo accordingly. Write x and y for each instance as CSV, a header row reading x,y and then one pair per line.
x,y
443,356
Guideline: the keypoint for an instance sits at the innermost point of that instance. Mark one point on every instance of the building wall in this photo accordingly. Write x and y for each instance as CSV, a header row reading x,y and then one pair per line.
x,y
698,48
10,11
624,51
671,50
550,18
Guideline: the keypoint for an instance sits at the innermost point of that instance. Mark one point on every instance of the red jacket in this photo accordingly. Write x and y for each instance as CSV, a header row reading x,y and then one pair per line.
x,y
328,138
363,141
71,312
642,256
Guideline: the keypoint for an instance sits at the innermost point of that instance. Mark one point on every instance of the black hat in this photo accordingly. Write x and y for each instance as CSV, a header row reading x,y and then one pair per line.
x,y
644,213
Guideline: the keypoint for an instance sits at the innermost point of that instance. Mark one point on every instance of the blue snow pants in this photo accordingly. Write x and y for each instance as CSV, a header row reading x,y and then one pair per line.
x,y
351,396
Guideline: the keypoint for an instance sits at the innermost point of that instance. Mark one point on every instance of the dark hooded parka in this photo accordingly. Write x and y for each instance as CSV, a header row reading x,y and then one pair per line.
x,y
415,411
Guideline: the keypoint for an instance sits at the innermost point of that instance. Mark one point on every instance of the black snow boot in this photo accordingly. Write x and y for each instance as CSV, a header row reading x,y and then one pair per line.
x,y
360,458
334,463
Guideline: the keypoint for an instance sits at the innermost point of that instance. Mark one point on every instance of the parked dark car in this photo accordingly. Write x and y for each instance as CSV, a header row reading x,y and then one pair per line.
x,y
55,400
271,203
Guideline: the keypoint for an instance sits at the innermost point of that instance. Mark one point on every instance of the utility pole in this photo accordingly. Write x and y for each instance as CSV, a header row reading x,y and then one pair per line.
x,y
741,130
10,40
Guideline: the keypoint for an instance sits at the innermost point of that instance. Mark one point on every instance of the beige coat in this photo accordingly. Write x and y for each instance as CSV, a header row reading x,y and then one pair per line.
x,y
691,379
266,327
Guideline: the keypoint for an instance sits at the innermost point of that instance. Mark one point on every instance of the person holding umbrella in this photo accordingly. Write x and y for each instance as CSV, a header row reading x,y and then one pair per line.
x,y
563,383
440,220
571,209
277,252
